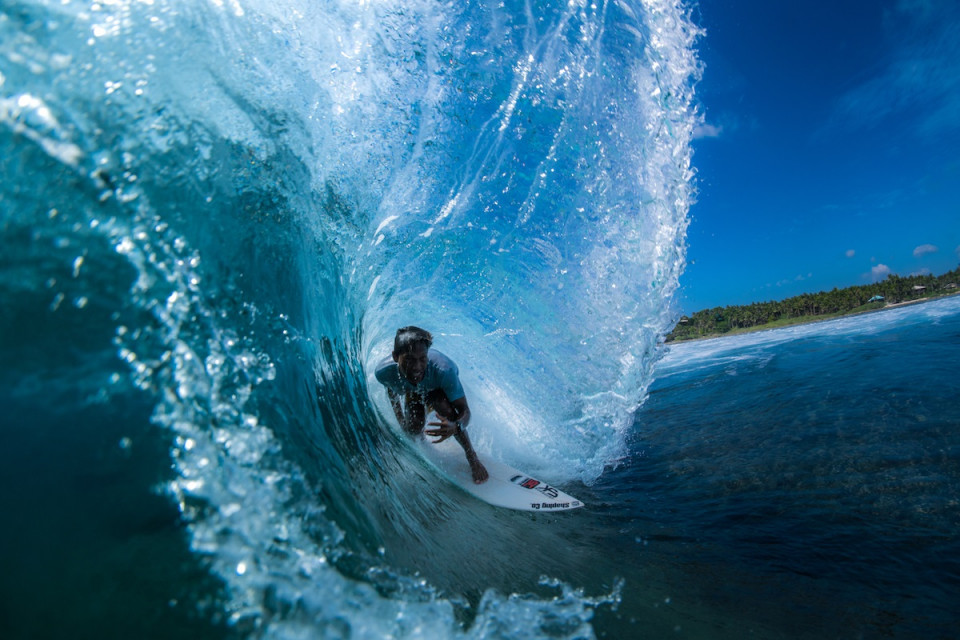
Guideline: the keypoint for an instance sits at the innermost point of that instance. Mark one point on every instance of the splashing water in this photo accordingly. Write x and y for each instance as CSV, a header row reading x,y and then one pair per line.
x,y
251,197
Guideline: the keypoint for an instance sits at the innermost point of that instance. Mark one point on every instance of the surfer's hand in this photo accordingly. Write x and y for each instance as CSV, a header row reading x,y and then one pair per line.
x,y
446,429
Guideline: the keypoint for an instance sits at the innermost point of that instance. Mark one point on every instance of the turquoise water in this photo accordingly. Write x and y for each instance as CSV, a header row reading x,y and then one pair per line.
x,y
214,216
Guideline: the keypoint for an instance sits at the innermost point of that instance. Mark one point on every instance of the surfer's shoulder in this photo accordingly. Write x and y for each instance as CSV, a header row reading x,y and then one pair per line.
x,y
386,370
440,360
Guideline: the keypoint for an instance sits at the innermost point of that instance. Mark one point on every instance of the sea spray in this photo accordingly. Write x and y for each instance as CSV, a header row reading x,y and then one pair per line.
x,y
540,231
247,201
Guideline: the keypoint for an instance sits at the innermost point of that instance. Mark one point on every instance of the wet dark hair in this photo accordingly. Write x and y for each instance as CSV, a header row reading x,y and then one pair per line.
x,y
407,337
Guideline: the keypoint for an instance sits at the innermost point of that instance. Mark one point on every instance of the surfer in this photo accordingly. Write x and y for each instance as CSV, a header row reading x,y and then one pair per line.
x,y
426,379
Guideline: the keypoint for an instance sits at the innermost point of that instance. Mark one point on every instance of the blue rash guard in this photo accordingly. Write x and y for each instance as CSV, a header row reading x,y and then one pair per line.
x,y
441,373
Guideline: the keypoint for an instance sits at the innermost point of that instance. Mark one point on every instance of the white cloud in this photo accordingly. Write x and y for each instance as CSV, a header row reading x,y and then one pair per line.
x,y
924,249
799,278
851,253
706,131
958,251
917,82
879,272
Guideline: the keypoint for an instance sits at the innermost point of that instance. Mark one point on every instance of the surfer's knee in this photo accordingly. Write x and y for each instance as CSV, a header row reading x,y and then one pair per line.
x,y
416,416
438,401
415,422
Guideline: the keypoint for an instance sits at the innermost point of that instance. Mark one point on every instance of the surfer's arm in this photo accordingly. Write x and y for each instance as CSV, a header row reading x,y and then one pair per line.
x,y
458,429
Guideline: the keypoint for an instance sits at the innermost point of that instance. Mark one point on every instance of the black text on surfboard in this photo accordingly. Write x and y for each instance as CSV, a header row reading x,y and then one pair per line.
x,y
554,505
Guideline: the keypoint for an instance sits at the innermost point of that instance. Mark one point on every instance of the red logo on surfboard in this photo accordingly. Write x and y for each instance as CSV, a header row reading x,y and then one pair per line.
x,y
525,482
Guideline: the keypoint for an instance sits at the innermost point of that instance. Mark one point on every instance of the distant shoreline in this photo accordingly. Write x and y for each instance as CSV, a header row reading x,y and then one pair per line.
x,y
795,322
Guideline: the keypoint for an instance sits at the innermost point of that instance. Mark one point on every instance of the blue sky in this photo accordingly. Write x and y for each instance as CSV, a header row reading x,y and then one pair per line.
x,y
830,150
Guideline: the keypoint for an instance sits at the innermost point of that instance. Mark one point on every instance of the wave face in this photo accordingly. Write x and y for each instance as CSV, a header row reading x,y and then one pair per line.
x,y
228,208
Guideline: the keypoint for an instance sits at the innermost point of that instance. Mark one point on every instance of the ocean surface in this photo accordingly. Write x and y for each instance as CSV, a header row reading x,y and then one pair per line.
x,y
214,216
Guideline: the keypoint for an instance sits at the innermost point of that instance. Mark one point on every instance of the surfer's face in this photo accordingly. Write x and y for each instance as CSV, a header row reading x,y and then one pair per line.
x,y
413,363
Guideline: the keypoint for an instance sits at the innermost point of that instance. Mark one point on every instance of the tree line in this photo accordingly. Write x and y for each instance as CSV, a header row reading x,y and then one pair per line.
x,y
894,289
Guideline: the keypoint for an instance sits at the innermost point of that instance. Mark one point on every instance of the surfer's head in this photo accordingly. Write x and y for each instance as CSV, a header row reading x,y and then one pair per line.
x,y
410,352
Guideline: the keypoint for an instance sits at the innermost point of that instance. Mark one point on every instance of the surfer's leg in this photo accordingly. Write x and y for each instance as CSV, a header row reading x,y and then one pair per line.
x,y
416,414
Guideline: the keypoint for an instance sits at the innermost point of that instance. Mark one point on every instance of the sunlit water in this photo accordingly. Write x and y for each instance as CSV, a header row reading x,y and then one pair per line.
x,y
214,216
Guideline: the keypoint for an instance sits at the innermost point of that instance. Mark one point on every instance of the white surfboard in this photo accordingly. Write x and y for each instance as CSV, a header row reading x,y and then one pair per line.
x,y
506,487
